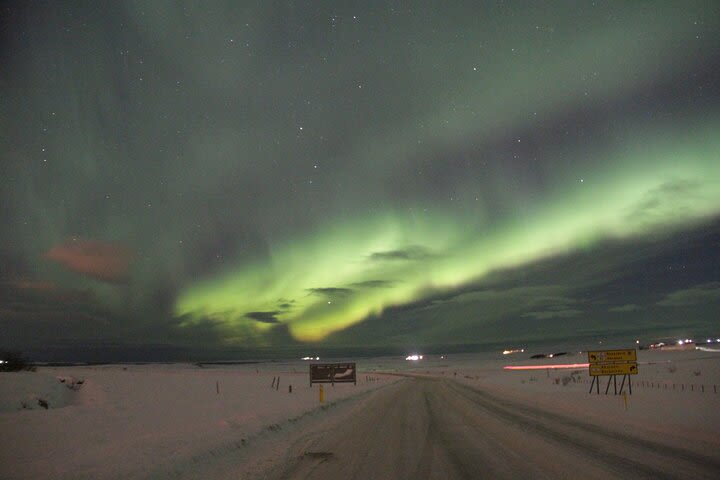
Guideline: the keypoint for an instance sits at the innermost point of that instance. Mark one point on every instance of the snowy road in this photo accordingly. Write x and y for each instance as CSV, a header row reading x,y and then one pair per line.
x,y
437,428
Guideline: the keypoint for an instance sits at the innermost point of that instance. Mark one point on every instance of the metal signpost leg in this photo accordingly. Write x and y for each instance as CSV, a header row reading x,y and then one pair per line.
x,y
622,384
592,385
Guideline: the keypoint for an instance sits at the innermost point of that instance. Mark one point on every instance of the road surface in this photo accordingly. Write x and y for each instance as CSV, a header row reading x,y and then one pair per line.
x,y
424,428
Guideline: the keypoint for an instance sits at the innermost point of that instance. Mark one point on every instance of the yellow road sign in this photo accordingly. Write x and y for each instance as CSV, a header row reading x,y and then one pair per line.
x,y
608,356
613,369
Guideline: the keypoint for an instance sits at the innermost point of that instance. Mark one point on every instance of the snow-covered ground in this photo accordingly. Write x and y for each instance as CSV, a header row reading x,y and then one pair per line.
x,y
128,421
160,421
675,396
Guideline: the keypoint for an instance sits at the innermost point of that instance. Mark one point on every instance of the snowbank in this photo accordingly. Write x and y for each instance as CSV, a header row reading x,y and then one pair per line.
x,y
29,391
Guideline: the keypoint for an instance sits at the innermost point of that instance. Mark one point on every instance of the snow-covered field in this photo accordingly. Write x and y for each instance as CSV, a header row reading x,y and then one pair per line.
x,y
163,421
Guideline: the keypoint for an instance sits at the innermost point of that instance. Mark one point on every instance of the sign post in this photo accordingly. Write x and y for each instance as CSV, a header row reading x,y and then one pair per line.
x,y
611,363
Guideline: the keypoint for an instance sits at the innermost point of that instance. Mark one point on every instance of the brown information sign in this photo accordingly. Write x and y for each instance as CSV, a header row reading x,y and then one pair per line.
x,y
613,369
610,356
333,373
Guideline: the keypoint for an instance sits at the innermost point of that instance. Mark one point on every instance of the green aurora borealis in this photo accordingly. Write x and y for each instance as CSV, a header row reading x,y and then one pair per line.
x,y
235,174
372,263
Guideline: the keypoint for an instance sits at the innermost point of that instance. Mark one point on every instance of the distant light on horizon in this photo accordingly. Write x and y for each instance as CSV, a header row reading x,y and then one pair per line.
x,y
414,357
516,350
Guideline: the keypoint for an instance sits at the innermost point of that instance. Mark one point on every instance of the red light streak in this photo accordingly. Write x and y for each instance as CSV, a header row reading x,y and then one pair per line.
x,y
545,367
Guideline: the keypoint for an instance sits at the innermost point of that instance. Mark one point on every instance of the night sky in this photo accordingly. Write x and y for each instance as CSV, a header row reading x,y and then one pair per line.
x,y
209,176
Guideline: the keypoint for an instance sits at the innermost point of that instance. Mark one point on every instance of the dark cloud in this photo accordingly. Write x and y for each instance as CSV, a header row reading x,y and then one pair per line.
x,y
671,198
264,317
554,313
415,252
698,295
629,307
551,297
285,304
334,292
542,301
